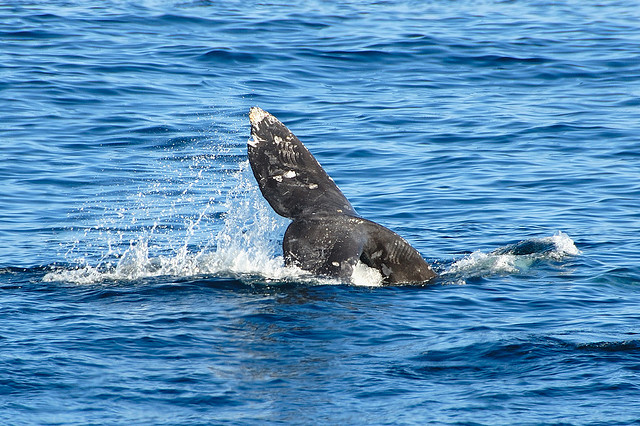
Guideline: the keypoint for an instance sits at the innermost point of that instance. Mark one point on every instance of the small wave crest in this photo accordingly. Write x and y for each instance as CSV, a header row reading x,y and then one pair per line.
x,y
513,258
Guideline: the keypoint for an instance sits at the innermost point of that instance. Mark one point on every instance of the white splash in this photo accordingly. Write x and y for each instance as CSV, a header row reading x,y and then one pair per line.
x,y
365,276
565,246
515,258
479,263
247,244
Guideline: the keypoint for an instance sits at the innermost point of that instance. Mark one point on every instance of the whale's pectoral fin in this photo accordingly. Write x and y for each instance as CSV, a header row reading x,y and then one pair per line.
x,y
396,259
323,247
290,178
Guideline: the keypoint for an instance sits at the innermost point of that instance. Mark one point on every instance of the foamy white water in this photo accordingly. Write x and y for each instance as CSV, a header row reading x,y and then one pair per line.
x,y
513,258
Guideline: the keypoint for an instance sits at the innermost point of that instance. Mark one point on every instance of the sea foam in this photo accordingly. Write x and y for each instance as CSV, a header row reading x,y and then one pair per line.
x,y
513,258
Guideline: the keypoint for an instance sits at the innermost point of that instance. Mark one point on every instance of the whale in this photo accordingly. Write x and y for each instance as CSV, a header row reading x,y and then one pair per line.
x,y
326,237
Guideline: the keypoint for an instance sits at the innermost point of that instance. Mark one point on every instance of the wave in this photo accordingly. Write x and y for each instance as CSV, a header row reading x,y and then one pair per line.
x,y
512,258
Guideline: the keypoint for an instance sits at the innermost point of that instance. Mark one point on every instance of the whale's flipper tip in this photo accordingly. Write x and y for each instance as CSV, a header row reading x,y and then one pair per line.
x,y
257,114
290,178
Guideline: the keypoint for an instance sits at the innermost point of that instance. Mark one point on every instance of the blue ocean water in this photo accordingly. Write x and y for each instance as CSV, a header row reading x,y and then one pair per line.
x,y
141,276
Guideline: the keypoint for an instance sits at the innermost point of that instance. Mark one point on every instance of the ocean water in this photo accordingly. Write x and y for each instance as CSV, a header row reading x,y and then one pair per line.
x,y
141,273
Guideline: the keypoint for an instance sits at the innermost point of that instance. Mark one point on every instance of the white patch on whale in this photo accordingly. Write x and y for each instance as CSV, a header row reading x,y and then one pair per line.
x,y
256,115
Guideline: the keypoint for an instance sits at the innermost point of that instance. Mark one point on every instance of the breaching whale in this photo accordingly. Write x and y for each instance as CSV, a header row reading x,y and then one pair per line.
x,y
327,237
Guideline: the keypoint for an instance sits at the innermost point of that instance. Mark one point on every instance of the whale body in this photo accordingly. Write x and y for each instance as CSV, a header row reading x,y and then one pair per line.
x,y
326,236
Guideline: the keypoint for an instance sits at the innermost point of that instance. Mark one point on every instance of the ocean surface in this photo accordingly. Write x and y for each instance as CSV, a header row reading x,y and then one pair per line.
x,y
141,271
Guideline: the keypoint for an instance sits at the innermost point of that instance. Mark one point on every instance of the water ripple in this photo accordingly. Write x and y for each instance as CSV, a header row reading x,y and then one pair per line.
x,y
141,271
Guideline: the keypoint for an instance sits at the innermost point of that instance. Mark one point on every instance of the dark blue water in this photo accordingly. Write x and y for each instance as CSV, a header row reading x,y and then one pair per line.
x,y
141,277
